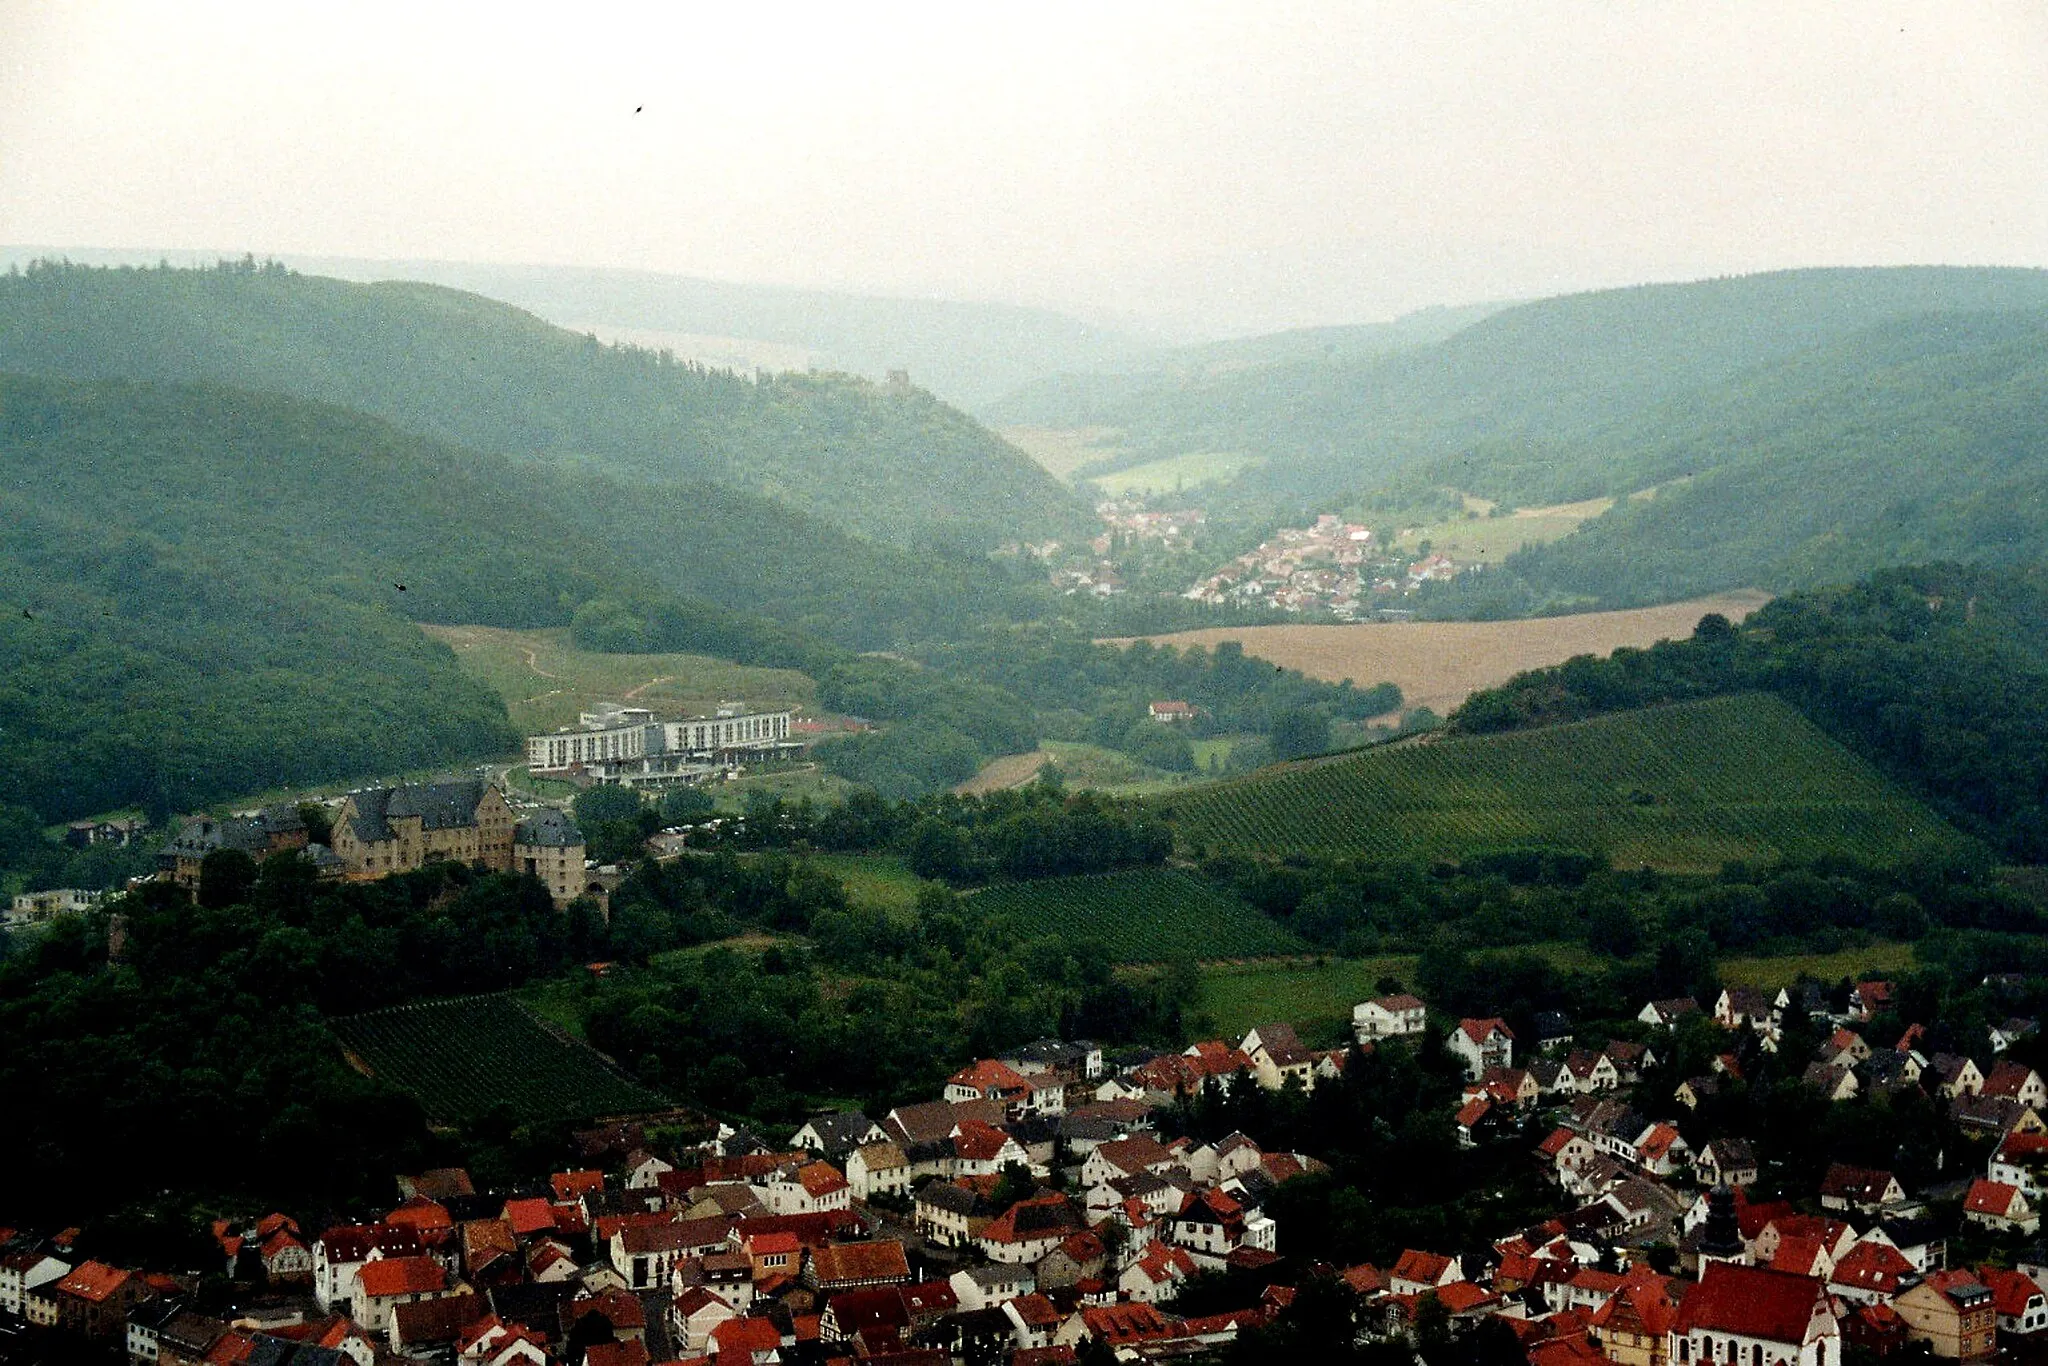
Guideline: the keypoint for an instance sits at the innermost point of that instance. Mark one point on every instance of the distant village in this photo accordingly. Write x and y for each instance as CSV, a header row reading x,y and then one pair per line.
x,y
1331,567
1032,1213
1334,567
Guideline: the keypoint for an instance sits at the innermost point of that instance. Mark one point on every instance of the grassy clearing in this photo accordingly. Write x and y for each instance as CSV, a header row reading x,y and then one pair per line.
x,y
1060,451
881,880
791,784
1492,539
546,681
1316,998
1111,771
1681,788
1874,959
1176,472
1438,664
1142,915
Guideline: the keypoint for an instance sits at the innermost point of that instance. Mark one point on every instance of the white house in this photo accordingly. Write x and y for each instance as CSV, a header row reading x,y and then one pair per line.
x,y
1482,1044
1388,1017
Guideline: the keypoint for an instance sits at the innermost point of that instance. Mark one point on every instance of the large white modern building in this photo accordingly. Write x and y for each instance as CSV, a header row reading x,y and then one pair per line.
x,y
615,744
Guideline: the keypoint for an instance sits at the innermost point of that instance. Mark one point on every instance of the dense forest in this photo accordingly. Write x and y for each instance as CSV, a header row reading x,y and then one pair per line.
x,y
1938,674
883,463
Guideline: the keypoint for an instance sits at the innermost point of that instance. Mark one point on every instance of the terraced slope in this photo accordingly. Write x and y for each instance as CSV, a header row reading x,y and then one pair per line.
x,y
1679,787
464,1057
1143,915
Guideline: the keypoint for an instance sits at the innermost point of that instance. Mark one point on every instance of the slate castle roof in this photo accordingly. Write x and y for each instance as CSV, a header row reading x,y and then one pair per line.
x,y
549,827
440,806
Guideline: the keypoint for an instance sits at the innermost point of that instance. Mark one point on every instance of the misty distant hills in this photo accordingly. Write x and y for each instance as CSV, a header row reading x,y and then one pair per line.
x,y
966,353
1806,427
882,462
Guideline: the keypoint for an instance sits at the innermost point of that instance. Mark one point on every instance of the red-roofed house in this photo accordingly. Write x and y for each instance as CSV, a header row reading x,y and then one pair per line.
x,y
2021,1306
576,1185
340,1253
1031,1229
94,1299
384,1284
1750,1316
812,1188
746,1342
2021,1159
529,1217
1482,1044
1633,1326
1868,999
1870,1272
1417,1272
1998,1206
1156,1275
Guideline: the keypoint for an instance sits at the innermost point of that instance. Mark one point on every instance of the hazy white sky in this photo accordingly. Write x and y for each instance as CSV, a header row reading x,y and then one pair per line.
x,y
1215,167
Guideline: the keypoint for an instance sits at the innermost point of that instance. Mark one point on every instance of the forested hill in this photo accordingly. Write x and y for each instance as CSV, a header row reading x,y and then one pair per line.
x,y
1505,406
1937,674
889,464
205,592
1922,440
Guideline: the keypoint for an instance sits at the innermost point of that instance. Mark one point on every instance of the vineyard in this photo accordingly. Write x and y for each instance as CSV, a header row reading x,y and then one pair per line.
x,y
462,1057
1142,915
1683,787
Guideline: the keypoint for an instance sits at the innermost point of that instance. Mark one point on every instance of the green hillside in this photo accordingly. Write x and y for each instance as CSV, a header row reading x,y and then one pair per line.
x,y
1680,787
887,464
1141,915
1937,674
209,592
1925,439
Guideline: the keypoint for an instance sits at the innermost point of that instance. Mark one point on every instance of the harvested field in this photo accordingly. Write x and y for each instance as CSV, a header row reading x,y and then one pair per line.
x,y
1438,664
1010,770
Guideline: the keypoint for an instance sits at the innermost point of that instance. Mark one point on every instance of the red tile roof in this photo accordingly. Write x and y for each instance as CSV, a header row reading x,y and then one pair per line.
x,y
2009,1289
530,1216
1752,1302
1479,1030
569,1185
1424,1268
402,1276
846,1263
1872,1266
1990,1197
93,1281
820,1179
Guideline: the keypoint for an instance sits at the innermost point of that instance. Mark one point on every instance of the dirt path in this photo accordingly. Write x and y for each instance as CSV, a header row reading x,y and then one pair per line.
x,y
635,692
533,662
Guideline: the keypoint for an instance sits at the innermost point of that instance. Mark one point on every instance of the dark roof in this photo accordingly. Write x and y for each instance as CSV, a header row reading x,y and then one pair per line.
x,y
251,834
550,827
440,806
953,1199
841,1132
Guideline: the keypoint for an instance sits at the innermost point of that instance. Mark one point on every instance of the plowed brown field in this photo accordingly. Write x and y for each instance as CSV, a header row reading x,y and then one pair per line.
x,y
1439,663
